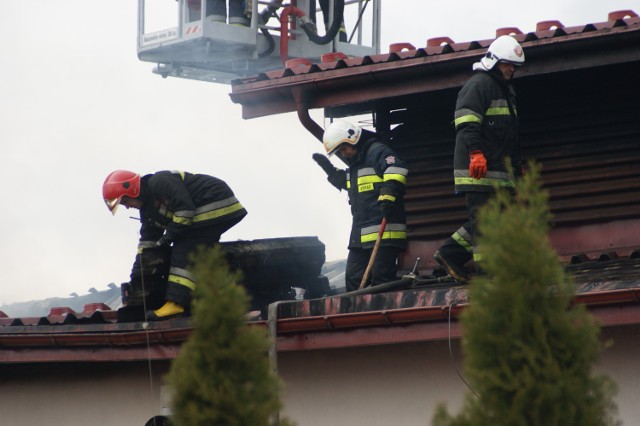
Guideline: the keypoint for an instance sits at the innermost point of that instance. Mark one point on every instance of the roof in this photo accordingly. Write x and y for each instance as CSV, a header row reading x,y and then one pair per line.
x,y
590,166
442,63
577,119
610,287
111,297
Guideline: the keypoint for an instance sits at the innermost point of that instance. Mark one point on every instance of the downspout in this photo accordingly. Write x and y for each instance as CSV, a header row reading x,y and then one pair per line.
x,y
272,330
302,107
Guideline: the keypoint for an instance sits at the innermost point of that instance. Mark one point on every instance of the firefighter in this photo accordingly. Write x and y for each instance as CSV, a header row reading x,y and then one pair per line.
x,y
486,123
177,209
375,182
217,12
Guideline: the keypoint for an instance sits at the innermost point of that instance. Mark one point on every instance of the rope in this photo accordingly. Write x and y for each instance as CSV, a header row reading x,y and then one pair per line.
x,y
145,325
453,362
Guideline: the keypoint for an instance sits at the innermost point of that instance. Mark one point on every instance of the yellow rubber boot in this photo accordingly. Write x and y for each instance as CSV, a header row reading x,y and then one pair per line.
x,y
169,310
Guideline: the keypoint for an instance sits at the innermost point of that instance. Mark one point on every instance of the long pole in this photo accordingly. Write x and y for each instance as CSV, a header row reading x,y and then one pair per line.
x,y
374,252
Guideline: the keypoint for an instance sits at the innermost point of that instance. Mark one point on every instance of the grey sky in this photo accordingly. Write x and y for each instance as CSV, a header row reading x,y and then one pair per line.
x,y
75,104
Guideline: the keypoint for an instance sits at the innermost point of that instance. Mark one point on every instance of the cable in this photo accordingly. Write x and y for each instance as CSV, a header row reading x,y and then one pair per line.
x,y
451,305
355,27
271,44
145,325
338,17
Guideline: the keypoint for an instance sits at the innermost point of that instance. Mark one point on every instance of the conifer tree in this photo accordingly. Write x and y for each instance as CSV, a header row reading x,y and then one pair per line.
x,y
222,375
528,351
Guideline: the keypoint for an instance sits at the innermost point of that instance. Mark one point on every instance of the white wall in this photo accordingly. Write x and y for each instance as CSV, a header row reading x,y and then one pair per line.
x,y
400,385
620,362
376,386
80,394
397,385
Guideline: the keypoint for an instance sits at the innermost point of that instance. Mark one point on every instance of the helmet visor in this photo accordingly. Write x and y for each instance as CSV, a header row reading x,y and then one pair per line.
x,y
515,64
335,149
112,204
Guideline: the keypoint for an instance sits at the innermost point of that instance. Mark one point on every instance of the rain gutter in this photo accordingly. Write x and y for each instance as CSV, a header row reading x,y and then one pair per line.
x,y
425,323
388,76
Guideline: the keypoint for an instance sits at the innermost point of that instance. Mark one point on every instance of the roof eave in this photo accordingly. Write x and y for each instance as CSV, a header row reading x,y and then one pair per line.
x,y
391,326
396,77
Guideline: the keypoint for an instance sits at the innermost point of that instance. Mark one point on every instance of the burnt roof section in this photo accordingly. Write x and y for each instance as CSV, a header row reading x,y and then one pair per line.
x,y
608,285
441,64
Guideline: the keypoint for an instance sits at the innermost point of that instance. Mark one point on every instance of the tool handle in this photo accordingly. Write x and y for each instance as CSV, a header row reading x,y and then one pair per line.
x,y
374,252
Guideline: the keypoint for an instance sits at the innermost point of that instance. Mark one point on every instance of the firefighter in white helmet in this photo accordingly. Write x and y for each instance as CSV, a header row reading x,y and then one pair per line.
x,y
486,122
375,182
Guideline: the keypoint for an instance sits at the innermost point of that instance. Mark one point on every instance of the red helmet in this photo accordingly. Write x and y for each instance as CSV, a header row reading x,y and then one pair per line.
x,y
119,184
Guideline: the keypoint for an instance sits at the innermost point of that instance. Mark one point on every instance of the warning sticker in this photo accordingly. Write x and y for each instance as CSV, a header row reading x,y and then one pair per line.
x,y
159,37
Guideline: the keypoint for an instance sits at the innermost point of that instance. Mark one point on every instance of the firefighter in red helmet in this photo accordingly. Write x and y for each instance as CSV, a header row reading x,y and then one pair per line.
x,y
118,185
177,209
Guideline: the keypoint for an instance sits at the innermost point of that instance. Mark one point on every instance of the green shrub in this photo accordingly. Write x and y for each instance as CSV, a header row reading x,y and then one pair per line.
x,y
528,351
222,375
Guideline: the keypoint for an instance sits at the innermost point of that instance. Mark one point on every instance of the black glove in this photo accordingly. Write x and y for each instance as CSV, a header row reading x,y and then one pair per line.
x,y
387,208
336,177
324,162
164,241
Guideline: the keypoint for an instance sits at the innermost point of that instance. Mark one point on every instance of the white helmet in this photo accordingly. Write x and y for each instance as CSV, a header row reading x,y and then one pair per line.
x,y
338,133
503,49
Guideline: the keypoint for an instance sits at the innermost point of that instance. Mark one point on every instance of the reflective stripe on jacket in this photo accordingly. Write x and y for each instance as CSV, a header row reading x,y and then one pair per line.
x,y
174,202
375,175
486,120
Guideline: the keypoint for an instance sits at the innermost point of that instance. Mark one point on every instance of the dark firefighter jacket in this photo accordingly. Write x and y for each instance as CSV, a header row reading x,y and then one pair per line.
x,y
486,120
375,175
174,202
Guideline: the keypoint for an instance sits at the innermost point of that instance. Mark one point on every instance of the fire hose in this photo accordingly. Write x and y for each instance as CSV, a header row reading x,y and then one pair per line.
x,y
309,27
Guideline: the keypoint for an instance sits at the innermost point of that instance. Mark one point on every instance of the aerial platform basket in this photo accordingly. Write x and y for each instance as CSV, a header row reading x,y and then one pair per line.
x,y
183,42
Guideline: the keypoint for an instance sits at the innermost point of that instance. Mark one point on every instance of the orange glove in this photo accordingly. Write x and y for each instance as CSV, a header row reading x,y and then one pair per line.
x,y
477,165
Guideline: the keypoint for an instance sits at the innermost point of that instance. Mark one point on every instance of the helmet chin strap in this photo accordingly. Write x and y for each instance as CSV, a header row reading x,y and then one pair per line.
x,y
479,66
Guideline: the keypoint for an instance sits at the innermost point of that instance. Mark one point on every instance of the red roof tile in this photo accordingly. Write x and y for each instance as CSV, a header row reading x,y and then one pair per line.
x,y
444,45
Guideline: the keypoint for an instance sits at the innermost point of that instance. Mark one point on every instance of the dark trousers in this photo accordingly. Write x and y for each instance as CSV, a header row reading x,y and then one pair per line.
x,y
206,237
459,247
384,269
236,10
